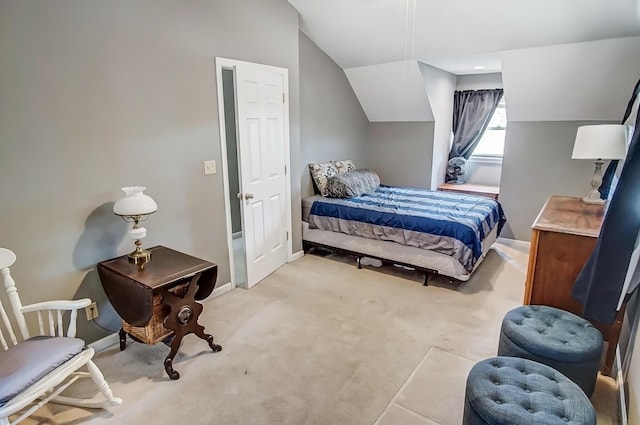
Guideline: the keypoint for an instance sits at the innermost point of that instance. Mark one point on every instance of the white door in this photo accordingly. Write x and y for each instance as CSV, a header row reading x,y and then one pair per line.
x,y
262,142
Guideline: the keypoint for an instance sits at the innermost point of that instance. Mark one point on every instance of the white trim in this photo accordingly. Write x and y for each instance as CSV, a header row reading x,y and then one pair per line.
x,y
106,342
220,64
486,159
287,162
622,403
226,63
220,290
298,255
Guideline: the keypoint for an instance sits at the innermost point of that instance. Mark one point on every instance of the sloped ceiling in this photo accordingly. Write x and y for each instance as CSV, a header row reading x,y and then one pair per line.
x,y
456,35
392,91
560,60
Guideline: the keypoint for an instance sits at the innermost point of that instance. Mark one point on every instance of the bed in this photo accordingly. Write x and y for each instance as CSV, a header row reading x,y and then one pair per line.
x,y
439,232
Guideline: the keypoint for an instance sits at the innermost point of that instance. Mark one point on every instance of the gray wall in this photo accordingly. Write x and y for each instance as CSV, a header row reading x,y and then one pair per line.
x,y
537,164
439,86
96,95
332,122
401,152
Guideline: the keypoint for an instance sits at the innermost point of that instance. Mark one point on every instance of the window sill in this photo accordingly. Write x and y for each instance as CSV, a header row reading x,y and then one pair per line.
x,y
486,159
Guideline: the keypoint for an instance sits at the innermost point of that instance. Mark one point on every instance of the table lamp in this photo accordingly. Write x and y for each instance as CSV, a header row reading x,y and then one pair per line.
x,y
134,208
598,142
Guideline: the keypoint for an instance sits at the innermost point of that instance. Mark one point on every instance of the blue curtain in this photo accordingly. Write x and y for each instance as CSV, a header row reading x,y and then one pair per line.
x,y
601,281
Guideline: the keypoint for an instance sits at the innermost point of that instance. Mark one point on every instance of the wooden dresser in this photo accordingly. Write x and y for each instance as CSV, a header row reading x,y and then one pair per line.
x,y
562,239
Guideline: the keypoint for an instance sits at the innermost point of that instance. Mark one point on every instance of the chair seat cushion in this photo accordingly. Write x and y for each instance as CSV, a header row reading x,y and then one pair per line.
x,y
24,364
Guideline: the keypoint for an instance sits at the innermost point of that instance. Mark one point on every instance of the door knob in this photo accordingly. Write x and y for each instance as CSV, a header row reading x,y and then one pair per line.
x,y
248,196
240,196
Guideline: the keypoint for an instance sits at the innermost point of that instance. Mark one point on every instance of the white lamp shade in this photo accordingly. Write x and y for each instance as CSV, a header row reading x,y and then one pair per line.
x,y
134,203
606,141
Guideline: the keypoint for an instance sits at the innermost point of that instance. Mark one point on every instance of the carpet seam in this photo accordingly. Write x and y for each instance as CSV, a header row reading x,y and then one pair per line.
x,y
403,386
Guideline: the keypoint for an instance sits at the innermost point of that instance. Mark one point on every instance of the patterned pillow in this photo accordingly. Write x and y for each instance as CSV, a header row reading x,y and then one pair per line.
x,y
354,183
344,166
320,173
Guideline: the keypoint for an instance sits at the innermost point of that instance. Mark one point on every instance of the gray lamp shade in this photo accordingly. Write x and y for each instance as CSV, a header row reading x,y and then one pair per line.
x,y
606,141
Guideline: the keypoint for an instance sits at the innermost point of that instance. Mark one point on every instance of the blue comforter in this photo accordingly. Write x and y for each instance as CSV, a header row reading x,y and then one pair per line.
x,y
445,222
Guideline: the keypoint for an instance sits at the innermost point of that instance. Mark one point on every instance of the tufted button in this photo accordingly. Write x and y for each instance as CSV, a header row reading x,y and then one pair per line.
x,y
527,390
565,419
559,397
496,382
498,401
530,410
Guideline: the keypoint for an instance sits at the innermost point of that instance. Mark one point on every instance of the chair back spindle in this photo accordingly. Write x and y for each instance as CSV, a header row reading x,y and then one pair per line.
x,y
9,330
7,258
50,322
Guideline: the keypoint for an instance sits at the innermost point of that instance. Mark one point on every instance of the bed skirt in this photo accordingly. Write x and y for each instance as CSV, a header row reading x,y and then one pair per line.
x,y
394,252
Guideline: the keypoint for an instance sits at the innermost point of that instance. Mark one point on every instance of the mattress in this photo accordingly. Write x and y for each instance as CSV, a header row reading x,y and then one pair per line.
x,y
447,223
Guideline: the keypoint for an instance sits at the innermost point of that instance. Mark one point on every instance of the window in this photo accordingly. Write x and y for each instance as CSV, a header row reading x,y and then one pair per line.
x,y
492,143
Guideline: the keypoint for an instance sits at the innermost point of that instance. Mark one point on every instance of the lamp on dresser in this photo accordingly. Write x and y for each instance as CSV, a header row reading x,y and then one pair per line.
x,y
599,142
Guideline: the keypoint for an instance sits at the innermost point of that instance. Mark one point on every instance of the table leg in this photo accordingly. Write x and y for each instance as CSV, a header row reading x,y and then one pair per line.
x,y
183,320
123,339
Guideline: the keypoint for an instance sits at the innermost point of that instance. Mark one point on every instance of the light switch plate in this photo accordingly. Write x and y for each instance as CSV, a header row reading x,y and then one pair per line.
x,y
210,167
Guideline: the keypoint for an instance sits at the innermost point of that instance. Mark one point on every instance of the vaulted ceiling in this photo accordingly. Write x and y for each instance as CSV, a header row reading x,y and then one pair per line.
x,y
457,35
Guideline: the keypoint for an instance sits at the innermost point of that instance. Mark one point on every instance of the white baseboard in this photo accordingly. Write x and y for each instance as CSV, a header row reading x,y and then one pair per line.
x,y
106,342
622,403
113,339
220,290
296,256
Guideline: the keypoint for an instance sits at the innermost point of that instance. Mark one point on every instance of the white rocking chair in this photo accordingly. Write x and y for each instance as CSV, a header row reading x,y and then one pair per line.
x,y
35,370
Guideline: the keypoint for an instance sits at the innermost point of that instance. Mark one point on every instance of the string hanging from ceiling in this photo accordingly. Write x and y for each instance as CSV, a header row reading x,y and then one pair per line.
x,y
410,36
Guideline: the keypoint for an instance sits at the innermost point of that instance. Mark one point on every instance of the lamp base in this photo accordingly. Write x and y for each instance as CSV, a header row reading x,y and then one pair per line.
x,y
139,257
593,198
588,200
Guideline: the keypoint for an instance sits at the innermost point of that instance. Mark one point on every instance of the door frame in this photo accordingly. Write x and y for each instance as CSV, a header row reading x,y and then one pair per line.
x,y
226,63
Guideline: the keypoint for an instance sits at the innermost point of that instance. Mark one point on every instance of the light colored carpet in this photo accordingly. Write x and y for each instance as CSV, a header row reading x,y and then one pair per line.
x,y
321,342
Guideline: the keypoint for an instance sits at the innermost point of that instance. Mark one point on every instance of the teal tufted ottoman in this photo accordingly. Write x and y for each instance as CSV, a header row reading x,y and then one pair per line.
x,y
557,338
515,391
